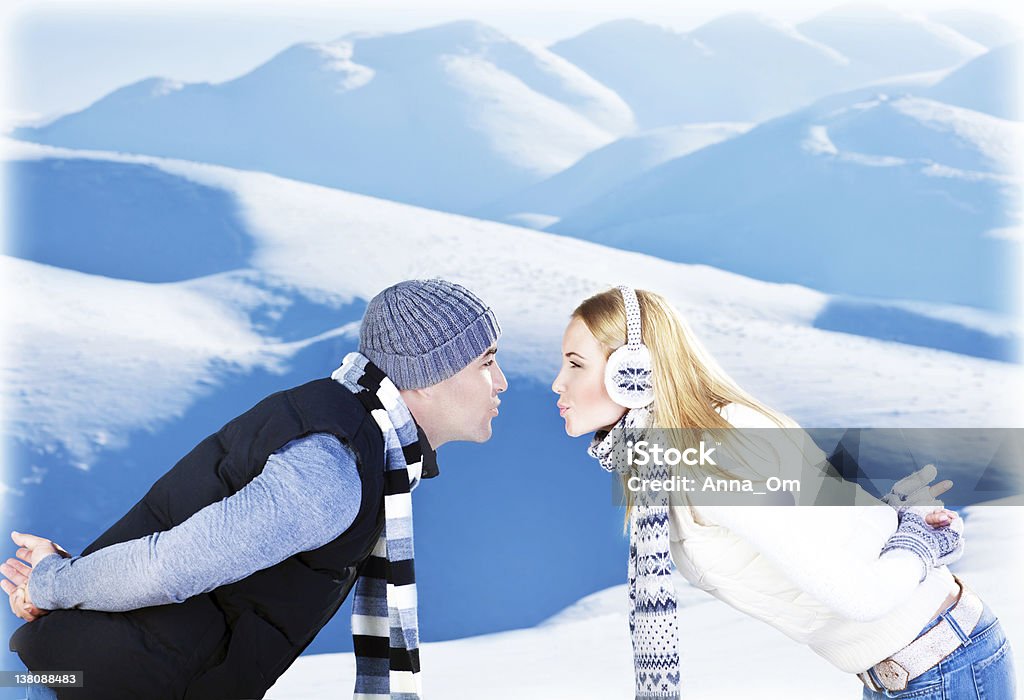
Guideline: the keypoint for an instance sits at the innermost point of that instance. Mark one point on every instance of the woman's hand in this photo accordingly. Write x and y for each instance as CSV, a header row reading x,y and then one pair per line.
x,y
941,517
31,549
916,489
934,546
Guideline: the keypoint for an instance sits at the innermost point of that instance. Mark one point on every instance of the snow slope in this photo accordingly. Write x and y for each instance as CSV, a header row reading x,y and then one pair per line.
x,y
98,229
584,653
329,247
448,117
82,345
864,193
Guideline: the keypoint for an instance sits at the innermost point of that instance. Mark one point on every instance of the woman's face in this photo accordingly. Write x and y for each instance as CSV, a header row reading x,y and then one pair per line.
x,y
582,399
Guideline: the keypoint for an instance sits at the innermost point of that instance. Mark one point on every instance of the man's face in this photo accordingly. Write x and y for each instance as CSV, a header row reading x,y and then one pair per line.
x,y
469,400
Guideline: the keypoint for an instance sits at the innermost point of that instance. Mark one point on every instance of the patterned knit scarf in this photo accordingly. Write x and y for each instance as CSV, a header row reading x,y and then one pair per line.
x,y
384,620
652,615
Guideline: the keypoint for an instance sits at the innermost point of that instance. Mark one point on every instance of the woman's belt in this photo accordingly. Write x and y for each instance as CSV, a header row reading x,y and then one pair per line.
x,y
928,649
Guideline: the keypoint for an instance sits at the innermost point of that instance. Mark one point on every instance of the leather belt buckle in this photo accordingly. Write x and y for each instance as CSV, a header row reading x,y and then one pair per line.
x,y
930,648
869,682
893,676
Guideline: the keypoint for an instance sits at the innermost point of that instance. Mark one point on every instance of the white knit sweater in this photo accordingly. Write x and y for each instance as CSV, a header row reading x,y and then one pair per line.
x,y
812,572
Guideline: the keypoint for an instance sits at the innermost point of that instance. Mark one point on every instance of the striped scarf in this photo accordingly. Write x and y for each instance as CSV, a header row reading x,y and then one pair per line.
x,y
385,629
652,596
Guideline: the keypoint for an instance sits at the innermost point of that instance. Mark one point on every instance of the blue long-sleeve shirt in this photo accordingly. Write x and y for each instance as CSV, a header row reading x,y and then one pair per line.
x,y
306,496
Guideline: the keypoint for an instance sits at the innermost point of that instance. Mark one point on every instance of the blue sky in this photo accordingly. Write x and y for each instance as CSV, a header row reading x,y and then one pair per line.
x,y
62,56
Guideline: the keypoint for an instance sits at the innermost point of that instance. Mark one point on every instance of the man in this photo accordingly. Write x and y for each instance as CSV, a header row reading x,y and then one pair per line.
x,y
226,570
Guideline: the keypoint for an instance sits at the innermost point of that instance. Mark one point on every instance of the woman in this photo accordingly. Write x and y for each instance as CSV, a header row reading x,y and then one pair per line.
x,y
864,587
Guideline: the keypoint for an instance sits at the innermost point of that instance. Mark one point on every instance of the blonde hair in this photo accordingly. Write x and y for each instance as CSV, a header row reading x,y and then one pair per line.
x,y
689,385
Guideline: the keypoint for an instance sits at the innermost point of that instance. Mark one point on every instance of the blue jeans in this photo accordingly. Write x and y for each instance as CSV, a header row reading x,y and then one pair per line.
x,y
981,668
41,692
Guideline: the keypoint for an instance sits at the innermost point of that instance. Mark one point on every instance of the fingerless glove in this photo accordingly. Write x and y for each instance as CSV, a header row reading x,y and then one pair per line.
x,y
933,546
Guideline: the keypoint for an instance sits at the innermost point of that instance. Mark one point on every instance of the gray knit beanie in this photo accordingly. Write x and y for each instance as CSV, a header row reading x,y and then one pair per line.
x,y
420,332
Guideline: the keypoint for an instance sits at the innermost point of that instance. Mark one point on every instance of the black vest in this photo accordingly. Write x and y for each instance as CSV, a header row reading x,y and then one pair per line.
x,y
235,641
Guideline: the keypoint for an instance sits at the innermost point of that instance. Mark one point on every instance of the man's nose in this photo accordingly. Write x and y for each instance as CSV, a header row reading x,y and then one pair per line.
x,y
502,380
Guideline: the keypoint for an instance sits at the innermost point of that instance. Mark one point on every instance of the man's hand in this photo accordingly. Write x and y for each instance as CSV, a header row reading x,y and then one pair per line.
x,y
34,549
917,490
31,549
21,603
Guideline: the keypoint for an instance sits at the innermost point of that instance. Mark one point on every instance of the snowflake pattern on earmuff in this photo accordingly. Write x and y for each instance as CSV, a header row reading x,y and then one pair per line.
x,y
633,379
628,376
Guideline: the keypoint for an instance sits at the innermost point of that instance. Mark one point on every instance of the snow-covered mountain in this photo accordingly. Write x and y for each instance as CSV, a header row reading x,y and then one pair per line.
x,y
739,67
584,653
846,196
746,66
882,42
449,117
986,28
990,83
108,381
600,171
461,118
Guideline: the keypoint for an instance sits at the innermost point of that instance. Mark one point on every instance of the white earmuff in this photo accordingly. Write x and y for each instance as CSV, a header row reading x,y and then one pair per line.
x,y
628,374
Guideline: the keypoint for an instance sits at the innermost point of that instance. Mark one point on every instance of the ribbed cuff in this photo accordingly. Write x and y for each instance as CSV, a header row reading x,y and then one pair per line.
x,y
42,584
913,545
